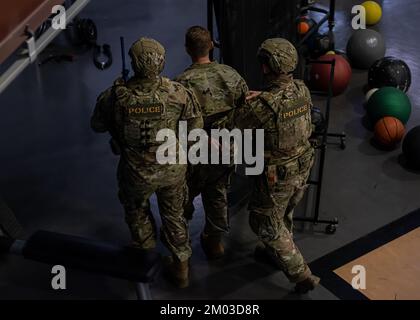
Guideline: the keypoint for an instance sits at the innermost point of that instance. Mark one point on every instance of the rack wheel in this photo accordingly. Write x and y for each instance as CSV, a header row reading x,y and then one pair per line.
x,y
331,229
343,143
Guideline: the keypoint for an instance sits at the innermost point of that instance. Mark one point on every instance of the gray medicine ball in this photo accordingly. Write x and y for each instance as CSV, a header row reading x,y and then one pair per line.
x,y
365,47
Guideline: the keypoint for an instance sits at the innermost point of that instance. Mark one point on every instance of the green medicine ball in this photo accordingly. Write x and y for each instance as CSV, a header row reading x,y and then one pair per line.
x,y
391,102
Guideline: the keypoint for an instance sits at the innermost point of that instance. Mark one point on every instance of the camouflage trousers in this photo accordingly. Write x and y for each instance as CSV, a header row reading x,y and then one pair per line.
x,y
276,194
212,182
169,184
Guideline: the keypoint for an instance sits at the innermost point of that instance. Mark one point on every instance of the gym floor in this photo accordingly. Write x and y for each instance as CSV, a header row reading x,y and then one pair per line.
x,y
58,175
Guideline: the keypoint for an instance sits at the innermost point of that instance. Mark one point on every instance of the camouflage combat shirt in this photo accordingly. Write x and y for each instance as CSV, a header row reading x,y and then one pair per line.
x,y
218,88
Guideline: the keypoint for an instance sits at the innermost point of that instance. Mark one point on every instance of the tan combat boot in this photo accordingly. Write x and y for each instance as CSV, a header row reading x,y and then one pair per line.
x,y
265,256
307,285
177,272
212,246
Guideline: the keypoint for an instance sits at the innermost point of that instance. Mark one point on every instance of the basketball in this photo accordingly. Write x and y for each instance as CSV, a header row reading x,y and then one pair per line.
x,y
389,131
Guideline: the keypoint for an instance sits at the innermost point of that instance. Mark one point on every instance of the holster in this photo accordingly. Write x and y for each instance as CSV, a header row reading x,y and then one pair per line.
x,y
295,166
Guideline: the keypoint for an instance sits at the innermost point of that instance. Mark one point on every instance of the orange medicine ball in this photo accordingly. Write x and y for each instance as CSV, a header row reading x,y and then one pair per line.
x,y
304,25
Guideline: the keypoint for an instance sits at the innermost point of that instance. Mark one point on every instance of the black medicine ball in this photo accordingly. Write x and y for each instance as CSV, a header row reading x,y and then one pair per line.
x,y
411,148
390,72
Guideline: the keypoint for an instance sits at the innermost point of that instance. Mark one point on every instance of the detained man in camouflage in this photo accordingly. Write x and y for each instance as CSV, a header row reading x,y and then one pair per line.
x,y
284,112
219,89
133,112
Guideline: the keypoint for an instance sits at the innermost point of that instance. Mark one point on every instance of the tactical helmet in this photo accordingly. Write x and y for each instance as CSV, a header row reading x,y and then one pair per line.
x,y
147,57
280,55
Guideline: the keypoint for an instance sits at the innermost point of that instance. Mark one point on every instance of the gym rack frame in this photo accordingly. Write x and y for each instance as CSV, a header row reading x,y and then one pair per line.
x,y
322,147
329,16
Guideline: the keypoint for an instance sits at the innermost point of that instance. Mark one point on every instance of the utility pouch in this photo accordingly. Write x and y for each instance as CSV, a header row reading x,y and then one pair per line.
x,y
288,170
272,177
305,161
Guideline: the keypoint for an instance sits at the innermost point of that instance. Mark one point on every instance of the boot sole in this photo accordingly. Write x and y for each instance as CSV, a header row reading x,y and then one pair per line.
x,y
307,290
209,255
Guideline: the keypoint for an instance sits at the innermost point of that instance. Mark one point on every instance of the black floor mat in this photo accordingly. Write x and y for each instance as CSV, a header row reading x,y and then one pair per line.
x,y
9,226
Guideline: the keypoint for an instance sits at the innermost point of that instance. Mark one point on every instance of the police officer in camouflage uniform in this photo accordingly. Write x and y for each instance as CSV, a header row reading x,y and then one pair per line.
x,y
219,89
133,112
284,112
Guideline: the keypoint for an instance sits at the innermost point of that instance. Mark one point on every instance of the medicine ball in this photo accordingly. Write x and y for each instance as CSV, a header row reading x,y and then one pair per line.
x,y
370,93
389,131
390,72
320,74
411,148
373,12
365,47
304,25
389,101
